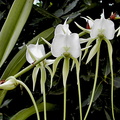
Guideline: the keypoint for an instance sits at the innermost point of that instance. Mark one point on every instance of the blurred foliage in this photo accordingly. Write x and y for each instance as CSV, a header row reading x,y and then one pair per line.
x,y
49,13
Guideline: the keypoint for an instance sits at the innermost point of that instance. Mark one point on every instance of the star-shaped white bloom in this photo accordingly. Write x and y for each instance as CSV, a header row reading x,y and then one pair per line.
x,y
65,42
102,28
35,52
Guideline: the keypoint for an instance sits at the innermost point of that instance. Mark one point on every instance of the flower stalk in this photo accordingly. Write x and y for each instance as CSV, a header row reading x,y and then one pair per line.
x,y
94,86
32,65
32,98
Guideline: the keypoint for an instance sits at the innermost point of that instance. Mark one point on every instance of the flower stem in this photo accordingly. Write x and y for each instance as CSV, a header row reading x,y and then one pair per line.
x,y
32,65
64,114
32,98
94,86
79,94
44,100
78,83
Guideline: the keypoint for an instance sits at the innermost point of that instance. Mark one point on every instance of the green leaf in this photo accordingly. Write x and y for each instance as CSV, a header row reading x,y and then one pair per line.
x,y
106,69
44,12
96,96
98,92
18,61
5,103
12,27
107,115
117,82
70,6
1,116
27,112
88,2
2,14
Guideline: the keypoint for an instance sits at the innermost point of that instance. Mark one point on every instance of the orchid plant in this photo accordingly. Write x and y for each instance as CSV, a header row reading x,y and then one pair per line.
x,y
65,46
100,29
33,53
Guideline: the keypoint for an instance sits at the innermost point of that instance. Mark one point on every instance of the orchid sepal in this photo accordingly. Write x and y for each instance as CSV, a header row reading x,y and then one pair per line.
x,y
65,70
46,41
77,63
94,50
118,29
43,78
82,28
110,51
55,64
34,75
87,46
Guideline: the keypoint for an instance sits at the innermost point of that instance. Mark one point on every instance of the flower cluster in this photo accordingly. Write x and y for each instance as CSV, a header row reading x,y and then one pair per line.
x,y
67,46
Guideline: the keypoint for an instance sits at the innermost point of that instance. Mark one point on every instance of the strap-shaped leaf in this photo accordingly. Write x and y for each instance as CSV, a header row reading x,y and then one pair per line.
x,y
27,112
12,27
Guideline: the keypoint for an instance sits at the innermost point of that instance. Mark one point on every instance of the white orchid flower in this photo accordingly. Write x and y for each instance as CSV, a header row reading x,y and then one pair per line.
x,y
35,52
65,42
66,45
102,28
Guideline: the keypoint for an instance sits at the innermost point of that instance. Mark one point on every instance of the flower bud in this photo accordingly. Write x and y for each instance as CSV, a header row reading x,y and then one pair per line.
x,y
10,83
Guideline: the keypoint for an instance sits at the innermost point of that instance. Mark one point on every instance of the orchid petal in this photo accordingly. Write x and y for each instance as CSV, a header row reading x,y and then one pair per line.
x,y
96,28
57,46
89,21
74,44
109,32
62,29
84,40
49,62
82,28
36,50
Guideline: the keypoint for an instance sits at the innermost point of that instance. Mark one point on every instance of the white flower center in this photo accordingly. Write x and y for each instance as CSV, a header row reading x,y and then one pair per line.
x,y
101,33
66,49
